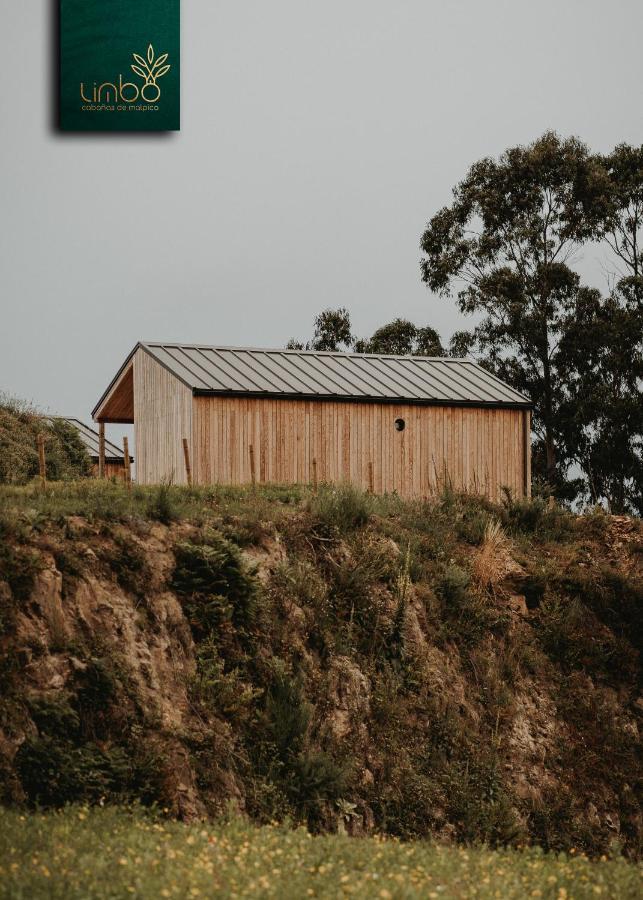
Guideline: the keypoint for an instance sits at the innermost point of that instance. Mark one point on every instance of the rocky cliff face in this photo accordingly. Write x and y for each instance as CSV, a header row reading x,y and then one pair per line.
x,y
452,669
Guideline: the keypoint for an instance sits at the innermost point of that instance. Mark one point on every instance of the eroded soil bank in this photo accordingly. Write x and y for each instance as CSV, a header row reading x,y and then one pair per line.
x,y
448,668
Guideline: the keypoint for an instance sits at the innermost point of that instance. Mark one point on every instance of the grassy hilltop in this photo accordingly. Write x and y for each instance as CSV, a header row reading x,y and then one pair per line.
x,y
447,669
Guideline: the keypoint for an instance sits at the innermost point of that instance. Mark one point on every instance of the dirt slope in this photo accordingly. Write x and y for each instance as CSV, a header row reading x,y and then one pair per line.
x,y
452,668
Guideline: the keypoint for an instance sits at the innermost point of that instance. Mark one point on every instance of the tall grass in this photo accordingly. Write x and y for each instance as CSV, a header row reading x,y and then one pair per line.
x,y
82,853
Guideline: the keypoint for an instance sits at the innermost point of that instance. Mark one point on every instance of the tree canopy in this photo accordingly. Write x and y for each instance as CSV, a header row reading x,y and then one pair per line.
x,y
333,331
505,249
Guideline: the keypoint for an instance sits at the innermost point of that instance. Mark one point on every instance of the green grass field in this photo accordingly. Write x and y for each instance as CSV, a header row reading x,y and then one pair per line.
x,y
86,853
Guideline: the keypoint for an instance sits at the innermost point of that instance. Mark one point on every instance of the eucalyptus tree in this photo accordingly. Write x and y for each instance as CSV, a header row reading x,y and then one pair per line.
x,y
332,331
602,408
400,338
503,247
624,225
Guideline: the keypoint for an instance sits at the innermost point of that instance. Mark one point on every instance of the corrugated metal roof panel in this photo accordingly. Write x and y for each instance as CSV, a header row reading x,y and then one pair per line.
x,y
305,373
256,371
89,438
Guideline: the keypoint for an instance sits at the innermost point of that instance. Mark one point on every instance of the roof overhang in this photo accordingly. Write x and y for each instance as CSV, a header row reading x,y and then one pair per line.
x,y
361,398
117,403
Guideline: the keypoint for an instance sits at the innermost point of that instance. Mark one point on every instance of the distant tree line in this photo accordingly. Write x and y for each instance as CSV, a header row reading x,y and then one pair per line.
x,y
504,249
332,331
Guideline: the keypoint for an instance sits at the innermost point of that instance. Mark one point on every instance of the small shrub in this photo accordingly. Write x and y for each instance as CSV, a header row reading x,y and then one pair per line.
x,y
161,505
101,698
54,772
493,561
468,616
472,515
129,565
288,713
19,569
453,587
573,637
225,692
479,804
339,510
314,779
534,587
613,596
214,582
68,562
360,584
535,517
54,715
20,425
71,567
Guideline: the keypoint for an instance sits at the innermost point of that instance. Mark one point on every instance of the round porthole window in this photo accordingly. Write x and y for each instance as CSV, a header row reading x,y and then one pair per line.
x,y
400,424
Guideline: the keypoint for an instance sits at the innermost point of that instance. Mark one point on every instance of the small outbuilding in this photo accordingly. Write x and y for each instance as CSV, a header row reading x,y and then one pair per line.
x,y
114,456
386,423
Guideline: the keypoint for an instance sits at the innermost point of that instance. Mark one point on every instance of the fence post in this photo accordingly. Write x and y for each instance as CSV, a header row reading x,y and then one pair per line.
x,y
128,471
371,479
101,449
314,475
186,457
253,478
41,460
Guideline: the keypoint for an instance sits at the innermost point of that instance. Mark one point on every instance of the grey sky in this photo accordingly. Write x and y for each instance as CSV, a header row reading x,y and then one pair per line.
x,y
317,139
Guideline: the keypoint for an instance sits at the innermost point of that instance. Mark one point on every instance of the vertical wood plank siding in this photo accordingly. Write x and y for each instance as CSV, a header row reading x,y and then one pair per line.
x,y
112,470
162,418
474,449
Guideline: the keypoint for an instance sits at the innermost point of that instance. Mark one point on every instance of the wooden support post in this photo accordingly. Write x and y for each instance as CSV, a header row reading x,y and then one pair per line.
x,y
101,450
186,457
128,471
315,475
371,478
41,460
253,478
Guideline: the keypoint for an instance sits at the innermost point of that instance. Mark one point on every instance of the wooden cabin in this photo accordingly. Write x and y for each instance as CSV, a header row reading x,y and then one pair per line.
x,y
114,456
385,423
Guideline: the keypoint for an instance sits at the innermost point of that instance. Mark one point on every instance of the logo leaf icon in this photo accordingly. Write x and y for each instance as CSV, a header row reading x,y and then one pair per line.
x,y
150,54
162,71
160,61
140,60
139,71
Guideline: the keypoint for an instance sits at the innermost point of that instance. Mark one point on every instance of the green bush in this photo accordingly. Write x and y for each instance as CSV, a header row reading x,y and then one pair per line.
x,y
20,425
226,693
535,517
18,568
288,714
54,772
129,564
479,804
340,509
615,597
571,636
468,616
74,758
214,583
304,778
54,715
162,506
312,780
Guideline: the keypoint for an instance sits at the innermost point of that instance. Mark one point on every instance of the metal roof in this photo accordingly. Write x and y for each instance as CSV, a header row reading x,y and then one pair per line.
x,y
313,374
348,376
89,437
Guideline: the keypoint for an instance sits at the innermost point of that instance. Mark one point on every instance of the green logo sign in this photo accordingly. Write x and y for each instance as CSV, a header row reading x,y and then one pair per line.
x,y
99,40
